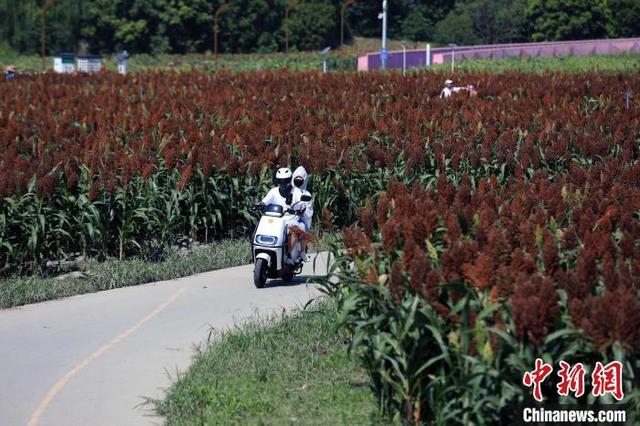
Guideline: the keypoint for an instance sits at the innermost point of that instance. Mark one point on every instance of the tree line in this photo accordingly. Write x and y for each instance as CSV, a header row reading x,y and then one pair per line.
x,y
185,26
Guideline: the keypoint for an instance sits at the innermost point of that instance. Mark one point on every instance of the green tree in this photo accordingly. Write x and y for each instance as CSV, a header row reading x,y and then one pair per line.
x,y
186,25
20,24
457,28
251,25
312,26
499,21
363,18
410,19
114,24
483,22
416,26
149,25
625,15
568,19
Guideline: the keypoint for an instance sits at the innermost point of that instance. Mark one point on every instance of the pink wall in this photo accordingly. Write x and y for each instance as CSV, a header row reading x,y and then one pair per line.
x,y
417,58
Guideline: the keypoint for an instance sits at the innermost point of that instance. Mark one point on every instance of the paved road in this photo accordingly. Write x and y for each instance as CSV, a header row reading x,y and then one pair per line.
x,y
91,359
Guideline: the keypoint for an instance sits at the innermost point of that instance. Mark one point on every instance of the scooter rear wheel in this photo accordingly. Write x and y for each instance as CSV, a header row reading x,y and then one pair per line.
x,y
260,273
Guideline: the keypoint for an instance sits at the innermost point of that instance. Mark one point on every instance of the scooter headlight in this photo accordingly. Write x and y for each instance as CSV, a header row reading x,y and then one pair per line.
x,y
266,240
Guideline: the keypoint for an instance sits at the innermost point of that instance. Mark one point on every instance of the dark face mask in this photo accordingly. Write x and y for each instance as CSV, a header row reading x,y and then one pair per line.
x,y
284,189
298,182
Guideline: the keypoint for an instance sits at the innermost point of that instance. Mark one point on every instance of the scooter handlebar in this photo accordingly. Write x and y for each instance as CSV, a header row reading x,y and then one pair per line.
x,y
296,212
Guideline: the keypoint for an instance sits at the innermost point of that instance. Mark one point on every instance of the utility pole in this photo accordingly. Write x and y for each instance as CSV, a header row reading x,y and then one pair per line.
x,y
292,5
43,43
453,56
627,97
342,11
383,50
216,28
404,57
427,52
325,54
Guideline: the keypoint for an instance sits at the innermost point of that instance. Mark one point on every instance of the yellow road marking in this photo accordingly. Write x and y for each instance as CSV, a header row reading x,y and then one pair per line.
x,y
57,387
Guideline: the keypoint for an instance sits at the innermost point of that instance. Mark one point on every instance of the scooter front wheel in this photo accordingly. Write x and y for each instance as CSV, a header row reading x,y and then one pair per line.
x,y
260,273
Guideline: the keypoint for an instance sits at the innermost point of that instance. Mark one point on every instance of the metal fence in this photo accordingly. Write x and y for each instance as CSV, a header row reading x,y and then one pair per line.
x,y
423,57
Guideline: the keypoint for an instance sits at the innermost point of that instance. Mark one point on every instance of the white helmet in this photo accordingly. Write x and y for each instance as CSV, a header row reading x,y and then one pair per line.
x,y
283,176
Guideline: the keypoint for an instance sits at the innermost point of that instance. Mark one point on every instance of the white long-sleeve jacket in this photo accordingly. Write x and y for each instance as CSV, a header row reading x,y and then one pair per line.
x,y
307,217
274,197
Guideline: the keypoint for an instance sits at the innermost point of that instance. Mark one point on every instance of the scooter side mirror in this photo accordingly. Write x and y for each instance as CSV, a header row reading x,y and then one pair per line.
x,y
305,198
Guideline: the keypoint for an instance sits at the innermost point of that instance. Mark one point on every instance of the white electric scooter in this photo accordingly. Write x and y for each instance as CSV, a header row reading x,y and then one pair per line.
x,y
269,245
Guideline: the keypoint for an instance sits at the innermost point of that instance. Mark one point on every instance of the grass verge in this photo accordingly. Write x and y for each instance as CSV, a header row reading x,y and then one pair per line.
x,y
94,276
295,370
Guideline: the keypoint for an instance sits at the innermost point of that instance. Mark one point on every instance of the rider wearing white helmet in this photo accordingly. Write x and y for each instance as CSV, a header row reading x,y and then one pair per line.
x,y
281,195
285,195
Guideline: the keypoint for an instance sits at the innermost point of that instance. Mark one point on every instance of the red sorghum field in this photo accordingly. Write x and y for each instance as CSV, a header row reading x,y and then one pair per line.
x,y
480,233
